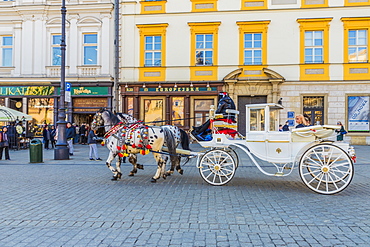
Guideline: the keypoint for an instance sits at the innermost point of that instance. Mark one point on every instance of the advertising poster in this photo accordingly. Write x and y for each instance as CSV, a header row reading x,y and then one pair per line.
x,y
358,113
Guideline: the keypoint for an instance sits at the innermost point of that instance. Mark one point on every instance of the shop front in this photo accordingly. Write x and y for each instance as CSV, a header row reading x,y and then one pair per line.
x,y
180,104
86,100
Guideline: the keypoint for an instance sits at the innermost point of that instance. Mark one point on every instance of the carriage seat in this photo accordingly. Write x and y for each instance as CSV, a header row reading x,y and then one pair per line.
x,y
311,133
228,122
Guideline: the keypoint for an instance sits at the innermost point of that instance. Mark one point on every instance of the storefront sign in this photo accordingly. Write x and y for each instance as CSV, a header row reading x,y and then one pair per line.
x,y
89,104
358,113
177,89
88,90
27,91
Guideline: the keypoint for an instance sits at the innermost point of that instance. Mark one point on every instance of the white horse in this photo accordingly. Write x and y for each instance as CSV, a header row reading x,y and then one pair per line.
x,y
127,136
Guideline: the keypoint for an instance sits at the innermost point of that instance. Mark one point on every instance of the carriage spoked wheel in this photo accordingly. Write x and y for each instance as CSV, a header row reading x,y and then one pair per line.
x,y
326,169
217,167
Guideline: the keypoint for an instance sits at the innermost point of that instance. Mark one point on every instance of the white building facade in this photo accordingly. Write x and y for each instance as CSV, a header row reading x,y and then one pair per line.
x,y
176,56
30,59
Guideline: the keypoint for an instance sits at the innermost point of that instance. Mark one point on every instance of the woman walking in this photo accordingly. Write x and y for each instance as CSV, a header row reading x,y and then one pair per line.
x,y
341,132
4,143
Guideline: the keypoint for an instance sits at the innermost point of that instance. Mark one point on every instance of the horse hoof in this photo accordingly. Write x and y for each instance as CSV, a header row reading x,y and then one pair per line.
x,y
114,179
181,171
140,166
153,180
131,174
119,175
164,176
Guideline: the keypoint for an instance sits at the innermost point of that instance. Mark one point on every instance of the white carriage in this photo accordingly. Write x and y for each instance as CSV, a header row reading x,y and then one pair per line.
x,y
324,166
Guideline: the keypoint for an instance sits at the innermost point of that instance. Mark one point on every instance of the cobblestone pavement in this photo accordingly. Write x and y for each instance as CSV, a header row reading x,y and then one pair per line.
x,y
74,203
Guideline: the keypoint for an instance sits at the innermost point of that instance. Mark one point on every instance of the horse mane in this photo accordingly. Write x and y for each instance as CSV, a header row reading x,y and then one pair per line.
x,y
115,120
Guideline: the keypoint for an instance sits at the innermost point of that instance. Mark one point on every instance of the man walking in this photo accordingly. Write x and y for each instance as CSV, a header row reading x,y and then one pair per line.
x,y
70,133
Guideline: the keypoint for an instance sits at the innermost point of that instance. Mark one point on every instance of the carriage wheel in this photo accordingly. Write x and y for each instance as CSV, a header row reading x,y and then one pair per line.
x,y
217,167
234,155
326,169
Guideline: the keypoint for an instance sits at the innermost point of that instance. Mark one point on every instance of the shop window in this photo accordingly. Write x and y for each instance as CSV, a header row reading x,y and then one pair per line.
x,y
358,113
356,47
314,48
90,49
204,50
252,47
152,52
178,111
204,5
153,111
201,110
7,51
313,106
130,106
41,110
55,50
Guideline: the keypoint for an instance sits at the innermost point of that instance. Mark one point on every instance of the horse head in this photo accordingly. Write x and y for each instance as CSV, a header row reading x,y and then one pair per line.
x,y
104,118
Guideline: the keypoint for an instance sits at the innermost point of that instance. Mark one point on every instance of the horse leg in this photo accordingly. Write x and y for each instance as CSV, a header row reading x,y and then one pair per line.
x,y
161,165
133,160
108,163
171,170
118,168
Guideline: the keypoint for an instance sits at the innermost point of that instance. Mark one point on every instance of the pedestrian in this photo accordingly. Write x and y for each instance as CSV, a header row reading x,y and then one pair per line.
x,y
340,132
4,143
280,128
70,134
53,133
301,121
286,126
91,140
82,132
47,136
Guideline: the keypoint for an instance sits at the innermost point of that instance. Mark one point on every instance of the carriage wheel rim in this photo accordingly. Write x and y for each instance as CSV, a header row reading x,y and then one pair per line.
x,y
326,169
217,167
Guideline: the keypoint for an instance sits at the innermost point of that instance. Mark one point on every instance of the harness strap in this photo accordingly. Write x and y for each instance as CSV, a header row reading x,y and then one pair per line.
x,y
113,130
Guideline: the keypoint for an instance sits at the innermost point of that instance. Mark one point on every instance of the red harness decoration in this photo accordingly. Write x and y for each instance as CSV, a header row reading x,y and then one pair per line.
x,y
113,130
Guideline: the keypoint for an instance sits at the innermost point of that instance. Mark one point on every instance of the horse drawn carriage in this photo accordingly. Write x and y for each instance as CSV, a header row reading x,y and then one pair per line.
x,y
324,166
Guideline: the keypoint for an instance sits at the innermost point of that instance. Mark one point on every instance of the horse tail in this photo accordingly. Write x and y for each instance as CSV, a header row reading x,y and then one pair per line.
x,y
185,142
170,143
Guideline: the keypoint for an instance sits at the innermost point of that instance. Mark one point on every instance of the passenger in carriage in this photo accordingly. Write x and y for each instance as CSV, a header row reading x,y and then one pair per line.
x,y
302,121
224,103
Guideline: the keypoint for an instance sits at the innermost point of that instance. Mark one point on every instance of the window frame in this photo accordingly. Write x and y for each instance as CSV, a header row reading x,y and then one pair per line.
x,y
350,68
54,46
153,51
152,73
7,47
313,47
204,49
85,45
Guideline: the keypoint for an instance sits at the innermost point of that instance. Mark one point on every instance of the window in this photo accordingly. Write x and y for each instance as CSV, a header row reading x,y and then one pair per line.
x,y
356,64
357,46
153,53
313,106
313,51
7,51
201,110
56,52
204,49
252,48
358,113
178,111
90,48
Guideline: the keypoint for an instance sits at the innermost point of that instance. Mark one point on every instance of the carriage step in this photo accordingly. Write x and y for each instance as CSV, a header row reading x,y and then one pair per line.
x,y
279,174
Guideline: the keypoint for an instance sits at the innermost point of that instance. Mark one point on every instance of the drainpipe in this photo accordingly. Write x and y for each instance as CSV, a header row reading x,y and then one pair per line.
x,y
116,57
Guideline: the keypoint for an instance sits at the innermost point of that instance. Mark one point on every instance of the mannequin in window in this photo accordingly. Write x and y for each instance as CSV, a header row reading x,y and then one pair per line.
x,y
224,103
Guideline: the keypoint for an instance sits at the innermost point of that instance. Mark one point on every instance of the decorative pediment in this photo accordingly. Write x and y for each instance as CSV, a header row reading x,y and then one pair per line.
x,y
89,20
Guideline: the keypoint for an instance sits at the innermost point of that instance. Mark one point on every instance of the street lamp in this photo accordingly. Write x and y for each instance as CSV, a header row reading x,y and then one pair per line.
x,y
61,151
